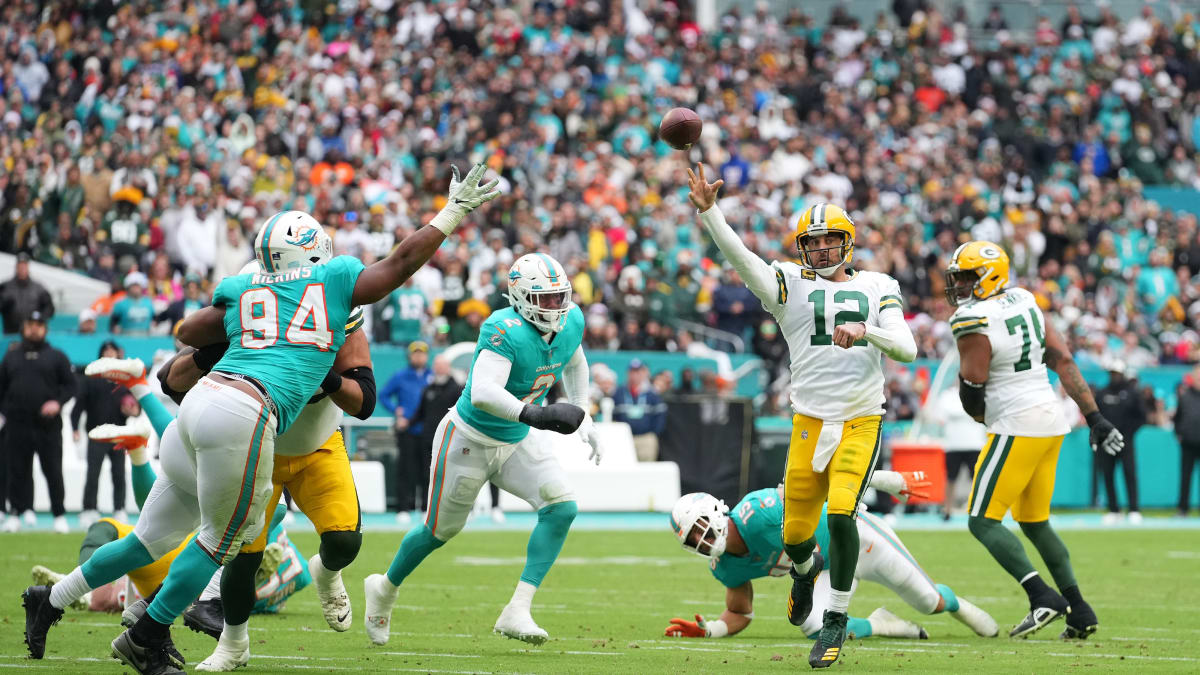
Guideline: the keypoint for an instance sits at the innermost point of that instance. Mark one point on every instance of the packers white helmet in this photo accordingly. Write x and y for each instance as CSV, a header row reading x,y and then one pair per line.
x,y
540,291
701,524
289,240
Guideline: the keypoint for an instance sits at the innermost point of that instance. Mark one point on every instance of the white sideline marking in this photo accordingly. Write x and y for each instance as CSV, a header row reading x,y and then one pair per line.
x,y
1125,656
448,656
571,560
1188,555
604,653
700,649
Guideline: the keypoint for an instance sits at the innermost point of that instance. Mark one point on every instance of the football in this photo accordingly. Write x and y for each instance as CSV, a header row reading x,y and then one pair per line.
x,y
680,128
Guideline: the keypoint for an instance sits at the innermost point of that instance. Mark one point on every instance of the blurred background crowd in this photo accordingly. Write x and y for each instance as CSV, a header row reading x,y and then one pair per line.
x,y
142,143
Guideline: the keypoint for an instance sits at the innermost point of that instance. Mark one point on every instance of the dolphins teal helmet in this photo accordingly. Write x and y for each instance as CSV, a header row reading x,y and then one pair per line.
x,y
290,240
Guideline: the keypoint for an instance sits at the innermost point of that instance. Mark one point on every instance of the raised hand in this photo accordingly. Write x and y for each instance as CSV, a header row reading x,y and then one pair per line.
x,y
703,194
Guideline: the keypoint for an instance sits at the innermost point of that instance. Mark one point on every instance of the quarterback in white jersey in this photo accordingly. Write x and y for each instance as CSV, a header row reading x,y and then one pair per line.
x,y
838,323
1006,345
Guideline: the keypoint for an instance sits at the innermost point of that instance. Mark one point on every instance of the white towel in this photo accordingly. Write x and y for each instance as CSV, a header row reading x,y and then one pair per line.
x,y
827,442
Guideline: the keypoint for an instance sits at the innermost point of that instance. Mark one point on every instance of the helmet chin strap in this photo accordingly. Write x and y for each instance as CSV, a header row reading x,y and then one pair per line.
x,y
827,271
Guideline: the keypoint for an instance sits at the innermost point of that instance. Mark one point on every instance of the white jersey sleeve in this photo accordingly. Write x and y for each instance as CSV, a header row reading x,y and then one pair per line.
x,y
1019,399
828,382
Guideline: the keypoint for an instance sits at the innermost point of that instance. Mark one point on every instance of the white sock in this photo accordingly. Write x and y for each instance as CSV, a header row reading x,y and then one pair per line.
x,y
139,456
238,633
803,567
139,390
839,601
324,575
213,589
71,588
523,596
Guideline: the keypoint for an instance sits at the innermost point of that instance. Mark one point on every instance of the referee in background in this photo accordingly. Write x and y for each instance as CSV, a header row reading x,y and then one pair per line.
x,y
35,382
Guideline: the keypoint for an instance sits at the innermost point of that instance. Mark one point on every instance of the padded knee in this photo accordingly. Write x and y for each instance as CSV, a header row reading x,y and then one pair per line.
x,y
980,526
339,549
843,501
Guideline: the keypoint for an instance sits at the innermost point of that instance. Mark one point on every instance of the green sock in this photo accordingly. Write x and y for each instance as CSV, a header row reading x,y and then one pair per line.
x,y
843,551
1002,544
1052,550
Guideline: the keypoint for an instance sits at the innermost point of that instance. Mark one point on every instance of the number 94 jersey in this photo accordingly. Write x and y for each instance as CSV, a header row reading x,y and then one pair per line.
x,y
828,382
536,367
1019,398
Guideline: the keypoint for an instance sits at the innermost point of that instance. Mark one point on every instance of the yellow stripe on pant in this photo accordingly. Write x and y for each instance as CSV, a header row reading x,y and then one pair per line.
x,y
841,483
1015,472
322,485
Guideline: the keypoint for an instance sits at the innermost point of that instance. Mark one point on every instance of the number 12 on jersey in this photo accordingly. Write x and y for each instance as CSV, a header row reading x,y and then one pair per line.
x,y
259,311
820,336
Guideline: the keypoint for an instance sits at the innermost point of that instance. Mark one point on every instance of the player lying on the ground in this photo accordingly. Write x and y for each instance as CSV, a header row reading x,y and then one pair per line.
x,y
498,432
748,545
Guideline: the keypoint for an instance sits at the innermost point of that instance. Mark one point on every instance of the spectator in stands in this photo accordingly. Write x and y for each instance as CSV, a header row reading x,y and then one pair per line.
x,y
87,322
407,312
604,388
1122,403
735,306
133,314
470,316
687,382
21,296
104,403
401,396
770,347
901,403
1187,430
698,350
664,382
192,300
639,406
35,382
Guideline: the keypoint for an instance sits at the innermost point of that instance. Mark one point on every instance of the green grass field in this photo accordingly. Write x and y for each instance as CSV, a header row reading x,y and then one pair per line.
x,y
607,601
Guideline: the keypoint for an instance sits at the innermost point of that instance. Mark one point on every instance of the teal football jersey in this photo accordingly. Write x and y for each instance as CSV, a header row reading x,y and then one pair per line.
x,y
536,366
759,519
285,329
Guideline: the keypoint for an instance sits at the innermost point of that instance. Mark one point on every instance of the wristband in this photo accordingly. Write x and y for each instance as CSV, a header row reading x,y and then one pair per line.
x,y
448,218
1093,418
331,383
715,629
207,357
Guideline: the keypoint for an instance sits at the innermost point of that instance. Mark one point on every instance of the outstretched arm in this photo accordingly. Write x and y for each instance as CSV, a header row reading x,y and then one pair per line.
x,y
378,280
758,276
738,613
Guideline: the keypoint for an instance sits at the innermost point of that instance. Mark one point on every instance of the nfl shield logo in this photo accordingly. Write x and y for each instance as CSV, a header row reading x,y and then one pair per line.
x,y
804,435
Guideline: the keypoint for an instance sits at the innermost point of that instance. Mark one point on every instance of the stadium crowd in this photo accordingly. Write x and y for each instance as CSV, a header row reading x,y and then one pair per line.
x,y
142,143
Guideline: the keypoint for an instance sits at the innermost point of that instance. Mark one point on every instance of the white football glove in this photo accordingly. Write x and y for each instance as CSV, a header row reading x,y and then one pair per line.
x,y
588,432
466,195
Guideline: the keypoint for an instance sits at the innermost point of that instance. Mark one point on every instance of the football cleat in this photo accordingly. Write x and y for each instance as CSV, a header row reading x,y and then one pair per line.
x,y
335,602
381,596
133,613
516,623
146,660
124,436
40,615
828,647
229,655
1045,612
44,576
1081,622
60,525
206,616
886,624
125,372
976,619
800,599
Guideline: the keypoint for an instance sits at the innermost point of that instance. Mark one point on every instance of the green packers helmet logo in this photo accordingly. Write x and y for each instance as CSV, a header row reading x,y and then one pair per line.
x,y
989,252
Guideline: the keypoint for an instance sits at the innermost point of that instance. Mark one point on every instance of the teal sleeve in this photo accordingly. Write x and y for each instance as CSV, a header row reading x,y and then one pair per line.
x,y
856,629
157,412
494,338
143,479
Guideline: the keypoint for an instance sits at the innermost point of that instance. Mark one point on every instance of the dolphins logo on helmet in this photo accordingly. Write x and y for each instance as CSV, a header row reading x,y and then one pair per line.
x,y
291,239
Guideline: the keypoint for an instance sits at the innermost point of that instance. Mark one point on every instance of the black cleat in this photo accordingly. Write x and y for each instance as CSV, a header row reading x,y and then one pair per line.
x,y
800,599
1081,622
39,616
148,660
828,647
206,616
1041,613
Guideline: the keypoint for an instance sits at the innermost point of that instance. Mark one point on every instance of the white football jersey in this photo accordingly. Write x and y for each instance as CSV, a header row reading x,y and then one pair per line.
x,y
1019,398
828,382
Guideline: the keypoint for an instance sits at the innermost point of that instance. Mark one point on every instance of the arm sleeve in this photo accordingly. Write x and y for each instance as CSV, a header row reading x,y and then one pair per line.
x,y
893,337
488,376
81,399
758,276
575,379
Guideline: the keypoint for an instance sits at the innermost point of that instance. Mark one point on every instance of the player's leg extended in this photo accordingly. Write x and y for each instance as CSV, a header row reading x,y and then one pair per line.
x,y
804,491
885,560
459,470
323,489
533,474
1032,512
849,473
1005,469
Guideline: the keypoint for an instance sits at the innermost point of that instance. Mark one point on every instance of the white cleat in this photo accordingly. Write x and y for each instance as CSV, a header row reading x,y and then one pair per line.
x,y
404,519
1110,518
886,624
44,576
12,524
121,516
1135,518
335,602
381,596
518,624
229,655
88,518
128,436
498,515
29,518
976,619
119,371
60,525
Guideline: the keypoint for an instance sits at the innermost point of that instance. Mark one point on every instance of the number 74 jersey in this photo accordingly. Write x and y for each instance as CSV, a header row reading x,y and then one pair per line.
x,y
1019,398
828,382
